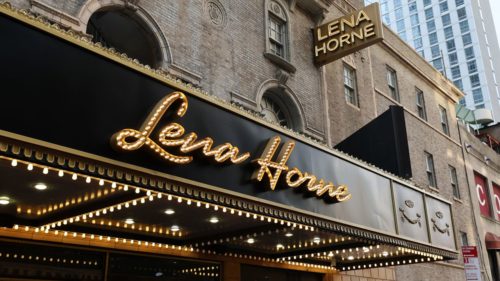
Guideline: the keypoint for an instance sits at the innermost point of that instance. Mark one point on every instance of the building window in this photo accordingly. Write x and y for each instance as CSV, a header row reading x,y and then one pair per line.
x,y
454,182
459,2
416,31
453,58
277,36
273,112
472,66
450,45
462,14
474,81
469,52
443,6
438,64
412,6
400,25
414,20
431,26
435,51
429,14
446,19
464,26
444,120
431,174
466,39
350,91
421,104
448,32
459,84
392,82
463,238
427,2
399,13
433,38
277,44
455,72
417,43
477,95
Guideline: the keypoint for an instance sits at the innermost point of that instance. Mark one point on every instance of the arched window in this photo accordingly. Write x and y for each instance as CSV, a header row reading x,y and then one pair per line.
x,y
276,105
122,29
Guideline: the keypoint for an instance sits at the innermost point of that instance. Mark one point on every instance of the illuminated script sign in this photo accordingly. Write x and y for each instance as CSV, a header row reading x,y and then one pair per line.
x,y
173,135
347,34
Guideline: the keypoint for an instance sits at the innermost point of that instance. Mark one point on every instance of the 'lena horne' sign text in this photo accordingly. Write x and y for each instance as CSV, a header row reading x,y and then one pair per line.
x,y
173,135
347,34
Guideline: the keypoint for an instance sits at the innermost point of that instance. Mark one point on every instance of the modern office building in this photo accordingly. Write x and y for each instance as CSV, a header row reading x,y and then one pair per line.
x,y
458,38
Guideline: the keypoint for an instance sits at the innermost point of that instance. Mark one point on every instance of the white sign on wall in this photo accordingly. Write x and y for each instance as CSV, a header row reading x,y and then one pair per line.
x,y
471,263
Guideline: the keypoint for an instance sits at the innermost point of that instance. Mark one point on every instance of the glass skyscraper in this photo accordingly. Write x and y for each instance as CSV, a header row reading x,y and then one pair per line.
x,y
458,38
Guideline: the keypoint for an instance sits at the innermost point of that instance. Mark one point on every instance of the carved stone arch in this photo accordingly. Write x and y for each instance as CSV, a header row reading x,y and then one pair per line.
x,y
93,6
286,99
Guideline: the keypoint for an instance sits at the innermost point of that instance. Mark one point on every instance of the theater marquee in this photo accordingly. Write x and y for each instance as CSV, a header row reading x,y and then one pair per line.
x,y
347,34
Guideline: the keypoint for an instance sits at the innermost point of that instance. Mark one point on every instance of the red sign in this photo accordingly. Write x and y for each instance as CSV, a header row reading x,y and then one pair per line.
x,y
471,263
482,195
496,200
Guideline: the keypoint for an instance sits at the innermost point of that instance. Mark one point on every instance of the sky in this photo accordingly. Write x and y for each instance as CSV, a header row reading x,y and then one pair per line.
x,y
495,9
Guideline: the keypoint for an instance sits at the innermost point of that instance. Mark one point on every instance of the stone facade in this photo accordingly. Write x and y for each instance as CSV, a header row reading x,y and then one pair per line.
x,y
220,46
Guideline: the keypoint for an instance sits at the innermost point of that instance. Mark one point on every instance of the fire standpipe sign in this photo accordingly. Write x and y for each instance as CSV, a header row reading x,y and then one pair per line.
x,y
471,263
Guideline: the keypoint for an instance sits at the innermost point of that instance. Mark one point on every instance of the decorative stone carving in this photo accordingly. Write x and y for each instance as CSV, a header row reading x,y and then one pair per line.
x,y
216,13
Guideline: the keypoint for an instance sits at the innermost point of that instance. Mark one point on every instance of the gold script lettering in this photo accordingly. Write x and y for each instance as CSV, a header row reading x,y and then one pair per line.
x,y
294,177
172,135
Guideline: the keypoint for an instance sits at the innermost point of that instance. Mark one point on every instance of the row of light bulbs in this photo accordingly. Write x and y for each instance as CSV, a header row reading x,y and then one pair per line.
x,y
47,259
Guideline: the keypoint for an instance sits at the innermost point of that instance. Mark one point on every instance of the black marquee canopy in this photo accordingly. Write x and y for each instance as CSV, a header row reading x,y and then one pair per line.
x,y
67,173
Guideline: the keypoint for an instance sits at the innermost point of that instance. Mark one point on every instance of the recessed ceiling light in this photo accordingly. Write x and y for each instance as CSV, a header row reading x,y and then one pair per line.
x,y
40,186
214,220
4,200
129,221
316,240
169,212
330,254
288,234
366,250
174,228
280,246
250,241
385,253
350,258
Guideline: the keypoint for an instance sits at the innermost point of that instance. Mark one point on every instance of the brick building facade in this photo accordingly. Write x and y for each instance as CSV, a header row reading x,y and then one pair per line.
x,y
224,48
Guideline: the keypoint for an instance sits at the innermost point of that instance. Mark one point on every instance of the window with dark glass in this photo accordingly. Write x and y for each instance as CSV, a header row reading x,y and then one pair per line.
x,y
477,95
444,120
455,72
466,39
431,26
474,80
427,2
459,2
464,26
429,14
433,38
459,84
417,43
435,51
454,182
463,238
448,32
472,66
450,45
443,6
431,174
453,58
412,6
350,91
421,104
392,82
461,13
438,63
469,52
446,19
